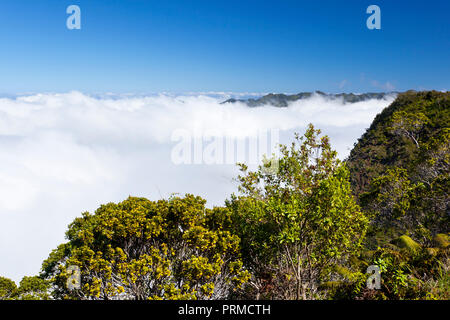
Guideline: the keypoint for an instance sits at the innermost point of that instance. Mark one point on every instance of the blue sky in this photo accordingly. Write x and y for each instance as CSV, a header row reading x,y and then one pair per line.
x,y
241,46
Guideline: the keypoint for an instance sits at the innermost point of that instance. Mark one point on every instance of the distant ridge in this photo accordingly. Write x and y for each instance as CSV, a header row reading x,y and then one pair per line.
x,y
282,100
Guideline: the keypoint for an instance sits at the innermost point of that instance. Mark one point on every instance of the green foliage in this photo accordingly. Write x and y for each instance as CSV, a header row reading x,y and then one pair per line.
x,y
30,288
408,271
408,124
8,289
442,240
407,243
140,249
400,167
297,224
401,274
381,147
390,196
33,288
439,288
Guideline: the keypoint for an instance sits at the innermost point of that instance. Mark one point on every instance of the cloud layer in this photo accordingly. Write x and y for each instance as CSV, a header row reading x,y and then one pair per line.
x,y
62,154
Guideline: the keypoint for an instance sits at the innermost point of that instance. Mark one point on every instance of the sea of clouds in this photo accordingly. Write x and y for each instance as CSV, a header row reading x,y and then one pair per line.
x,y
63,154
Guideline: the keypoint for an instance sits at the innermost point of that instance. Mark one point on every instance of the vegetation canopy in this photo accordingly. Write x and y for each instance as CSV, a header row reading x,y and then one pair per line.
x,y
140,249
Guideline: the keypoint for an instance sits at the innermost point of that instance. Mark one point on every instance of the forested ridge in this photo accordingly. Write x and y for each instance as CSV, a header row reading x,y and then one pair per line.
x,y
308,229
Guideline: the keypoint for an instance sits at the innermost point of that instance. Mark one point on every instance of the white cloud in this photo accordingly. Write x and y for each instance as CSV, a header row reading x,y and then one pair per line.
x,y
62,154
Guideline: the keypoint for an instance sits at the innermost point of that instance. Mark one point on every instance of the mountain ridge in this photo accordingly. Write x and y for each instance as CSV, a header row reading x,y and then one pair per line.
x,y
282,100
